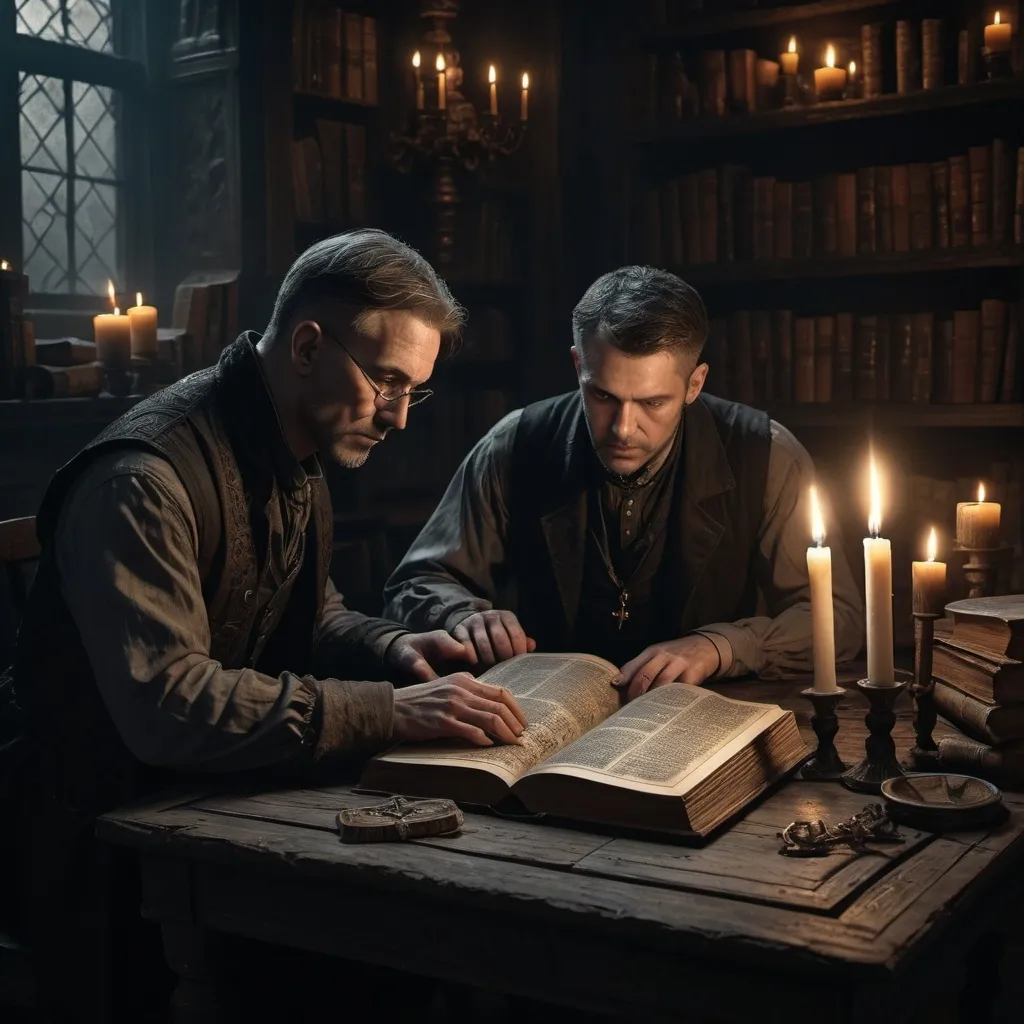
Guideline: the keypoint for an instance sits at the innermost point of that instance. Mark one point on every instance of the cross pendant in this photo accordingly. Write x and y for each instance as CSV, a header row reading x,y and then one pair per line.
x,y
621,613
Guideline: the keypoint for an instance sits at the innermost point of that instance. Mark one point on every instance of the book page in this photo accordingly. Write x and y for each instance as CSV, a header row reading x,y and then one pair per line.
x,y
562,695
668,739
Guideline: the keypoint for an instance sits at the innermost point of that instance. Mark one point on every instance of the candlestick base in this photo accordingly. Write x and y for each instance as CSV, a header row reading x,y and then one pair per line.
x,y
924,753
790,91
880,763
825,762
981,568
829,95
117,381
997,64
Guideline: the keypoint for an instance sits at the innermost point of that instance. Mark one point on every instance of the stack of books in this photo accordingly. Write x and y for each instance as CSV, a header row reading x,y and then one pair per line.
x,y
979,686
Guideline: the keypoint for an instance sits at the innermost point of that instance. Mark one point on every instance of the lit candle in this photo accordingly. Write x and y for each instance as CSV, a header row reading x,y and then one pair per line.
x,y
790,60
977,522
997,35
524,99
823,635
4,265
878,592
829,81
929,581
442,89
492,77
112,334
419,79
142,327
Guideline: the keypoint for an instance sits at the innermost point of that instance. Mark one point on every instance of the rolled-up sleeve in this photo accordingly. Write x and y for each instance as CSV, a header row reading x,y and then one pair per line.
x,y
778,643
457,562
126,551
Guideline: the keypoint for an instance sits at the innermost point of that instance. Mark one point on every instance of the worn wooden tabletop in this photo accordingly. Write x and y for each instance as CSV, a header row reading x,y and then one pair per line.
x,y
597,920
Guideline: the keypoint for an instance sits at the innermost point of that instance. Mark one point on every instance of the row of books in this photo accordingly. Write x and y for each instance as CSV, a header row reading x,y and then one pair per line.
x,y
329,174
774,356
973,199
334,52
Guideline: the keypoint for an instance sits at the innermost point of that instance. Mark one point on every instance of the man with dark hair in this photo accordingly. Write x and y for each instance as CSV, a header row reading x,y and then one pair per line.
x,y
182,618
635,518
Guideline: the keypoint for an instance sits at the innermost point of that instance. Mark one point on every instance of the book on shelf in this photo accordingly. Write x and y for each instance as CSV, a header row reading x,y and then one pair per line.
x,y
64,351
679,759
206,310
329,175
334,52
72,380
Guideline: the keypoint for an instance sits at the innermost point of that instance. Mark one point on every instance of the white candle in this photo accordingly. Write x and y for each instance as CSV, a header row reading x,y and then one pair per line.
x,y
977,522
823,634
878,593
829,80
418,79
142,328
112,334
524,99
492,77
790,60
442,90
929,581
998,35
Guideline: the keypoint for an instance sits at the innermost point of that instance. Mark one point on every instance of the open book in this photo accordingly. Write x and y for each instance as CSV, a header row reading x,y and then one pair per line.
x,y
678,759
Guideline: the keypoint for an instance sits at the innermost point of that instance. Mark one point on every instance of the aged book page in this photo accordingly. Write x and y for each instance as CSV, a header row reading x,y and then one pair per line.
x,y
562,695
665,742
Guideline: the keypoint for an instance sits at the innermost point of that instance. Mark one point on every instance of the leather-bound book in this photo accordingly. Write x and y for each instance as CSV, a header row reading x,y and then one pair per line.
x,y
871,58
902,356
993,336
931,53
842,368
711,82
826,215
866,210
741,357
923,327
782,351
764,218
883,361
824,357
942,363
959,203
940,196
743,81
921,237
803,220
980,165
783,220
1001,195
883,209
803,359
728,179
966,343
906,58
901,208
1009,386
865,355
761,343
846,213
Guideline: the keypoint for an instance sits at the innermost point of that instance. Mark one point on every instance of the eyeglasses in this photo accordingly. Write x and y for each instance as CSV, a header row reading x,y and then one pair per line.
x,y
415,395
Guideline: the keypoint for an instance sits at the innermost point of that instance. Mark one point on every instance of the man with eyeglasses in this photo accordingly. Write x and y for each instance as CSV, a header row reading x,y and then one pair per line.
x,y
182,618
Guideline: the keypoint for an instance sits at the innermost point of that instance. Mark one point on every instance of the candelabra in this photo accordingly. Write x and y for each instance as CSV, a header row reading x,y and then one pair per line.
x,y
445,133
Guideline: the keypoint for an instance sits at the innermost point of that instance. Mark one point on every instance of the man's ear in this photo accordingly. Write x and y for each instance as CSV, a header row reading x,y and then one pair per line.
x,y
305,347
696,382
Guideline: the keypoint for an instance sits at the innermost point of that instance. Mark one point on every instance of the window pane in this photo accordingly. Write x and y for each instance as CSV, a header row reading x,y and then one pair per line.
x,y
95,139
79,22
43,138
95,237
45,234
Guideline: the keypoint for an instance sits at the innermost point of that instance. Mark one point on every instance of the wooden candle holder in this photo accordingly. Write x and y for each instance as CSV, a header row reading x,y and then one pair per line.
x,y
981,567
825,762
880,763
924,753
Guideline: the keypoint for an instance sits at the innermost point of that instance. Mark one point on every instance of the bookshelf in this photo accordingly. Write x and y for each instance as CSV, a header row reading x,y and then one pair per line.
x,y
911,291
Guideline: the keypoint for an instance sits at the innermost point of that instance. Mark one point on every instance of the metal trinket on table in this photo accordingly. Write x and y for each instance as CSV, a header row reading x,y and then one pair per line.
x,y
816,838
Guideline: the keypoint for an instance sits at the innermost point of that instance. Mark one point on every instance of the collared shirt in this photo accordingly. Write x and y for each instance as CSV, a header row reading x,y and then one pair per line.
x,y
451,569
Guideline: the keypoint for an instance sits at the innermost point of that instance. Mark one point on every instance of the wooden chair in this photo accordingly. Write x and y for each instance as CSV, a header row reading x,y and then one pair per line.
x,y
19,550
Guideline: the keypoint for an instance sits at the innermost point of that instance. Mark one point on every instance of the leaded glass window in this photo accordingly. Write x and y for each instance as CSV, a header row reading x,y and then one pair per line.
x,y
85,23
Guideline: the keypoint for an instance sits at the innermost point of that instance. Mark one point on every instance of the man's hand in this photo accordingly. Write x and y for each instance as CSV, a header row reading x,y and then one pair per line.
x,y
691,659
421,656
458,706
494,636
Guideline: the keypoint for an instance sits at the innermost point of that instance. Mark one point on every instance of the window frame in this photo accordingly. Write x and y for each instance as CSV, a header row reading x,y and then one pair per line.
x,y
128,75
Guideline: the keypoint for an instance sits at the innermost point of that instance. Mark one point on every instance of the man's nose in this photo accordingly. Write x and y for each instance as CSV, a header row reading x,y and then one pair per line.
x,y
625,422
393,414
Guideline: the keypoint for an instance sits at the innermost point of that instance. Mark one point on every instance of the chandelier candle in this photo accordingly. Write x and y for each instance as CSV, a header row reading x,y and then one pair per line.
x,y
524,100
442,85
977,522
819,569
492,77
878,592
142,328
418,79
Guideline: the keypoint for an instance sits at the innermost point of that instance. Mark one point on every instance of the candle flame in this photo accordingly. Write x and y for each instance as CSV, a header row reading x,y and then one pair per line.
x,y
4,265
792,44
117,311
853,68
996,22
492,75
875,512
526,80
111,295
138,298
439,63
416,59
817,522
933,545
830,56
981,492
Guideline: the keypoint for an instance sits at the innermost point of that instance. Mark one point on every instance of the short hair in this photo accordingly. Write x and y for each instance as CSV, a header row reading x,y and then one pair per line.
x,y
369,270
641,310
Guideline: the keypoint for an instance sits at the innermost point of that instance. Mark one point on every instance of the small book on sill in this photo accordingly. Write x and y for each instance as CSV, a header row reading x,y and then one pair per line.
x,y
678,759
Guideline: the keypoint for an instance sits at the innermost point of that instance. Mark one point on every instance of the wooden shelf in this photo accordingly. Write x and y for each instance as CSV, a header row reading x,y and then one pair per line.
x,y
334,106
878,264
892,105
894,416
702,24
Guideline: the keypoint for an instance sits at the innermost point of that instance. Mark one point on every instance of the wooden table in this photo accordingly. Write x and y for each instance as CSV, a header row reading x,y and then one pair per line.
x,y
728,931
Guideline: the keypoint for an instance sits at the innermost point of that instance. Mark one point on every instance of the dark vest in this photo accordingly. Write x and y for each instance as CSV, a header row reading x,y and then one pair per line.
x,y
705,573
213,426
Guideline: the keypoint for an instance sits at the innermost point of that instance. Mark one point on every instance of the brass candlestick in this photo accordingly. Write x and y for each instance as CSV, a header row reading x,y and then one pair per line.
x,y
880,763
924,753
825,762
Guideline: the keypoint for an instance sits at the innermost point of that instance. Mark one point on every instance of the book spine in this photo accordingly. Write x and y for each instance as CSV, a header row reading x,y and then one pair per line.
x,y
842,370
824,351
783,220
803,359
966,59
1008,387
707,189
803,220
865,358
905,58
743,81
883,359
711,80
920,207
866,210
971,715
826,208
741,357
689,203
761,337
846,214
782,348
940,192
871,58
764,218
965,355
981,214
883,209
923,328
959,202
962,755
993,334
727,214
902,354
931,53
1001,219
901,208
943,362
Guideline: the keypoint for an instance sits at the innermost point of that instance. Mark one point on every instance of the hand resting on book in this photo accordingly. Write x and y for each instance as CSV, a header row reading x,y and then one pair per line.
x,y
494,635
458,706
691,659
420,656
